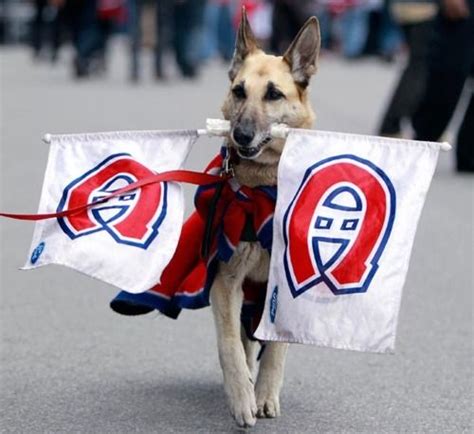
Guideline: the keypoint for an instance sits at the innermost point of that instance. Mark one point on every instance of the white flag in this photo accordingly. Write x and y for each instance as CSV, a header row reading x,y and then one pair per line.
x,y
345,221
126,241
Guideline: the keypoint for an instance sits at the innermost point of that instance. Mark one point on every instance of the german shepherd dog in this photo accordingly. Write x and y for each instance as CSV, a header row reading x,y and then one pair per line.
x,y
264,90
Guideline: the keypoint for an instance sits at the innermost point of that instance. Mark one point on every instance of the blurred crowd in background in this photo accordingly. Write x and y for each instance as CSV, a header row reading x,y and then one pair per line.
x,y
436,37
197,30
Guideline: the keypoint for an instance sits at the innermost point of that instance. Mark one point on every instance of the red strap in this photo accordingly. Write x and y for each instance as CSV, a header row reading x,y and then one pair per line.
x,y
190,177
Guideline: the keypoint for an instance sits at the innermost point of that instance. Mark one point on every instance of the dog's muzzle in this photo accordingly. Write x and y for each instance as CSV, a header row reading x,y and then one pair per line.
x,y
243,134
248,153
246,150
244,137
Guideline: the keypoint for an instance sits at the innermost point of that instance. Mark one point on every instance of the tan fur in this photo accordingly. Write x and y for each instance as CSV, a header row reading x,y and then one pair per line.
x,y
289,74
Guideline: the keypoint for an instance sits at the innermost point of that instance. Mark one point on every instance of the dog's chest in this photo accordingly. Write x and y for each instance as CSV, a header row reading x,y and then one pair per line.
x,y
249,260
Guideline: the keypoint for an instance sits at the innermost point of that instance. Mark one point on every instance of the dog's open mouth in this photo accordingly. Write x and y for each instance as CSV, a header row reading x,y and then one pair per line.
x,y
254,151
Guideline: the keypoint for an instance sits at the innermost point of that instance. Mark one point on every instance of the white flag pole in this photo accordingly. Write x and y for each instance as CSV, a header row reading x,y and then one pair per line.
x,y
221,128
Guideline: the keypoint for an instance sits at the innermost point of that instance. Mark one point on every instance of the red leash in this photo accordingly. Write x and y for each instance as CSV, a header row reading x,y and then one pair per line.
x,y
188,176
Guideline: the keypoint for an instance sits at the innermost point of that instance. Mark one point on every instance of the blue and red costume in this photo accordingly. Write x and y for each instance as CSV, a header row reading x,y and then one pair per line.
x,y
226,213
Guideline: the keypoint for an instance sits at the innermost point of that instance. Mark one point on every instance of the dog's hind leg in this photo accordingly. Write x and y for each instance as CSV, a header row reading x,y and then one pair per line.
x,y
251,351
226,300
270,379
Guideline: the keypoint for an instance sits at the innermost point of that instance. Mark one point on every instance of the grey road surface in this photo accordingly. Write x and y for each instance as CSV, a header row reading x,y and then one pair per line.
x,y
69,364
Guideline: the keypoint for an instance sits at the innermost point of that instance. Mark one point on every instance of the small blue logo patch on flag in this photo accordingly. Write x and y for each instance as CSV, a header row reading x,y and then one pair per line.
x,y
37,252
273,304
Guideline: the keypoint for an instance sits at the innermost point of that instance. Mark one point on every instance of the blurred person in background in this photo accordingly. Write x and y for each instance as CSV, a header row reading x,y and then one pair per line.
x,y
288,17
218,29
357,28
365,27
134,12
134,22
451,63
188,19
260,19
91,22
390,36
47,26
328,13
351,24
178,23
38,26
416,18
158,33
163,34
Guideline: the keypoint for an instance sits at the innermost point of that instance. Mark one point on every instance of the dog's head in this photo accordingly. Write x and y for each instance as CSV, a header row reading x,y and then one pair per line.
x,y
268,89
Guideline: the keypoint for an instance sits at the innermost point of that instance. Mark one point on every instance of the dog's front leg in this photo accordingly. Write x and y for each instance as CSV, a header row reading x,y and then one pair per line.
x,y
226,300
270,379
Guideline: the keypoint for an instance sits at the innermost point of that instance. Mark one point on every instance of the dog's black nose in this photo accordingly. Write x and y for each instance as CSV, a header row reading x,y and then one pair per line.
x,y
243,134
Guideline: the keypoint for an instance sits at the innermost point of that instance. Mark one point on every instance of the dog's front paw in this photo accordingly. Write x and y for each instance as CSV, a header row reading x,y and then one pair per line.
x,y
242,403
268,406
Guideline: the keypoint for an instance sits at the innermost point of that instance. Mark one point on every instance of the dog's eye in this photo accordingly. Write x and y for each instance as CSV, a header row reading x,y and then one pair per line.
x,y
273,94
239,92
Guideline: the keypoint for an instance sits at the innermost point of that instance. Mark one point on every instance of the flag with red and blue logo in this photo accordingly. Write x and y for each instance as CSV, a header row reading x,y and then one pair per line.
x,y
344,225
126,241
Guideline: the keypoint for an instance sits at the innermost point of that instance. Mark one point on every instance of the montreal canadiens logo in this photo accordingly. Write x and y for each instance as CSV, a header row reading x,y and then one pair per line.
x,y
132,218
337,225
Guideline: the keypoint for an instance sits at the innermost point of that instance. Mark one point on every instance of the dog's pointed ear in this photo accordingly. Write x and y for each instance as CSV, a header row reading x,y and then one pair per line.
x,y
244,45
302,55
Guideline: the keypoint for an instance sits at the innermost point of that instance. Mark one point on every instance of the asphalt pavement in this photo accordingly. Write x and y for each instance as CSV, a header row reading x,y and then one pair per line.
x,y
69,364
